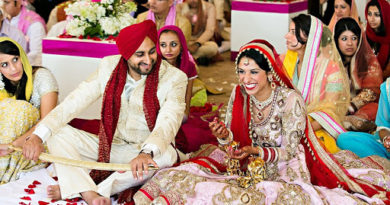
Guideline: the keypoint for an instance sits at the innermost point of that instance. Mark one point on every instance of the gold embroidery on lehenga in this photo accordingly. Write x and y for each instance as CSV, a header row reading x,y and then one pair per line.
x,y
375,177
292,194
231,193
272,171
179,181
152,189
204,151
304,173
291,174
377,162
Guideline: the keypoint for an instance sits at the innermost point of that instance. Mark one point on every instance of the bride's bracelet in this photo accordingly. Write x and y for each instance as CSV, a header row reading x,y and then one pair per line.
x,y
227,140
268,154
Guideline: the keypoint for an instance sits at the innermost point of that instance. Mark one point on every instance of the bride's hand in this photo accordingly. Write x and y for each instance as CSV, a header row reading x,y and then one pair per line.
x,y
4,150
242,153
219,129
237,154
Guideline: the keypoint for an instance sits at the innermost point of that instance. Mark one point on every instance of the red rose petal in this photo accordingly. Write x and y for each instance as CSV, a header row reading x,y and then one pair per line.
x,y
26,198
73,200
55,178
32,186
53,200
43,203
29,191
22,203
35,182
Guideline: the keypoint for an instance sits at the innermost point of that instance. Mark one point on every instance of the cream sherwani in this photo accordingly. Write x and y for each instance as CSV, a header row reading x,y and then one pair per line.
x,y
132,133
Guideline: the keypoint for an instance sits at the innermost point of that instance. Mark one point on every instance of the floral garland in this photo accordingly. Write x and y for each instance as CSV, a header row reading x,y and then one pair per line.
x,y
97,20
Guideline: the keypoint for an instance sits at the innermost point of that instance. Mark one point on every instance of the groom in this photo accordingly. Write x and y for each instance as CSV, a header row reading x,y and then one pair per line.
x,y
143,105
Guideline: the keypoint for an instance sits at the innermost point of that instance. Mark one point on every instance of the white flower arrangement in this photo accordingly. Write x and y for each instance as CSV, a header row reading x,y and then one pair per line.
x,y
99,18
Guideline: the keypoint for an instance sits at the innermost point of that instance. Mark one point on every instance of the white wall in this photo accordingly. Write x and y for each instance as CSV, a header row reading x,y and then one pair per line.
x,y
361,5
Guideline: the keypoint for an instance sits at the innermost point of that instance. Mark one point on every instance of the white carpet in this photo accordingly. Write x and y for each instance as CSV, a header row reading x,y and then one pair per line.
x,y
13,192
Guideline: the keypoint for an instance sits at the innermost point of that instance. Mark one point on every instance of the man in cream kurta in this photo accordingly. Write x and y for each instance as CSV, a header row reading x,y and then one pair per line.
x,y
132,136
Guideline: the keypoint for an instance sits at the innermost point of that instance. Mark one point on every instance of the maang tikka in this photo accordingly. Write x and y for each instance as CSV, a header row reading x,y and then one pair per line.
x,y
246,61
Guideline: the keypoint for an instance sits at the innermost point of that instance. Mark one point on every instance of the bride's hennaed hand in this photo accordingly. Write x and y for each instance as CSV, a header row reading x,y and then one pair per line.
x,y
218,129
250,150
237,154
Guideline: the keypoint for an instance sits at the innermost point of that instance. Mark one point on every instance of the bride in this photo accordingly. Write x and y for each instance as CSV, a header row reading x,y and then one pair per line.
x,y
267,153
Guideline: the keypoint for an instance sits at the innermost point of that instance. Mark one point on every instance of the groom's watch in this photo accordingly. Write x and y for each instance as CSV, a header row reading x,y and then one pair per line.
x,y
149,152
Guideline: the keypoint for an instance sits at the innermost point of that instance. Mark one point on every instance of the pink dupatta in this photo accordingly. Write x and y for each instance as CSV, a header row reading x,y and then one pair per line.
x,y
187,63
171,18
27,18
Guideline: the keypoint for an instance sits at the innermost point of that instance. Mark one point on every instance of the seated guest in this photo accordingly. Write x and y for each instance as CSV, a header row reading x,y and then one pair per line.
x,y
194,131
14,33
163,13
319,76
202,17
173,48
365,144
143,106
378,32
27,94
31,24
364,72
222,32
343,8
266,124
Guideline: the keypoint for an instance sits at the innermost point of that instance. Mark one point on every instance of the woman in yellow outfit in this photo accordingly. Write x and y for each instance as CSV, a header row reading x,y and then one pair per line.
x,y
26,95
316,69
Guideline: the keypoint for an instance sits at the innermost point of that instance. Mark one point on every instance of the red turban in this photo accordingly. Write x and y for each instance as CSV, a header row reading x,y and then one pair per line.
x,y
131,37
128,41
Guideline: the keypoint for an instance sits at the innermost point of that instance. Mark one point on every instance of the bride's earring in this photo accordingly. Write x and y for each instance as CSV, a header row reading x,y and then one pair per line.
x,y
270,79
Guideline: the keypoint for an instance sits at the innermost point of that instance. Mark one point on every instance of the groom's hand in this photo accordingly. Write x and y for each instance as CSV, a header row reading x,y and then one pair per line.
x,y
140,165
32,147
